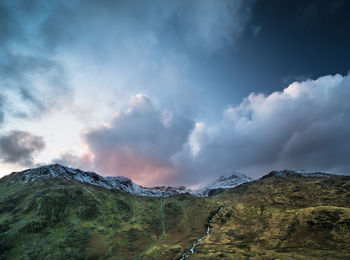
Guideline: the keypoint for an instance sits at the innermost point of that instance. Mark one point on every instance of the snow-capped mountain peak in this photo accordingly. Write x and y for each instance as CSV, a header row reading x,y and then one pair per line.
x,y
115,182
224,182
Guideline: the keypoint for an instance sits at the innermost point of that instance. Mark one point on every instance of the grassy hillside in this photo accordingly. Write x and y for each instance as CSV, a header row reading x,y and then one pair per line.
x,y
292,217
282,218
57,219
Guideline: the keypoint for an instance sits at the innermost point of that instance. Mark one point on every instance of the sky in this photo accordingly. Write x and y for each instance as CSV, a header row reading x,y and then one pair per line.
x,y
175,92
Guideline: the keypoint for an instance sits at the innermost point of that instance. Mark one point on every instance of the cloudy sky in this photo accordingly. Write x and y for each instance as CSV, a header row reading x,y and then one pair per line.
x,y
175,92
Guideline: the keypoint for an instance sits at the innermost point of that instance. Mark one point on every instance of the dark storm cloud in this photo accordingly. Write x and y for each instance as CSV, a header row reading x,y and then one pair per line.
x,y
208,24
37,35
313,41
19,147
37,81
28,71
8,25
1,109
315,10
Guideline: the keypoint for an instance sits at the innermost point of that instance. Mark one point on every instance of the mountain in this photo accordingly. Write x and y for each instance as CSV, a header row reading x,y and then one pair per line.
x,y
120,182
301,173
55,212
283,215
224,182
70,174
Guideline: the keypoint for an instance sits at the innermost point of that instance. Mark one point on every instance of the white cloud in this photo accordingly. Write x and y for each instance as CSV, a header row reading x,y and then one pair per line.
x,y
139,142
304,126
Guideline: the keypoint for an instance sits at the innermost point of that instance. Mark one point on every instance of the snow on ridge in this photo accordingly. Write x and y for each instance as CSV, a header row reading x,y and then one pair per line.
x,y
223,182
123,183
109,182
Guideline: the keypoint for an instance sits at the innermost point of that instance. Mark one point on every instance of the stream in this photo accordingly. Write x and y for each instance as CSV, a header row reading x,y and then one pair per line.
x,y
162,209
190,252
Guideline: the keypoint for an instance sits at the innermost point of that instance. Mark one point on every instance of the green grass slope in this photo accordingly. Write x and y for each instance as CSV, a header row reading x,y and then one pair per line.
x,y
292,217
57,219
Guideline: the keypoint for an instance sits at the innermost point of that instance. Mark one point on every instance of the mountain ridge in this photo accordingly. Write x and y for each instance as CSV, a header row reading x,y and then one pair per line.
x,y
286,172
127,185
120,182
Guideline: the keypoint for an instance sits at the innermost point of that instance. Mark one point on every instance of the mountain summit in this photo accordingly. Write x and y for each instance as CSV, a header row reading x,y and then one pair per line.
x,y
224,182
119,182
